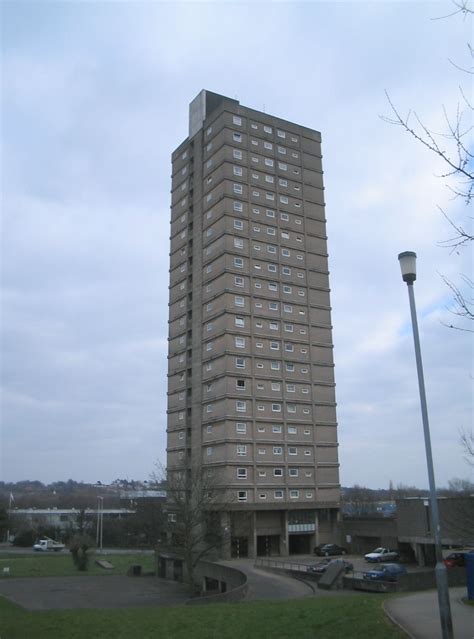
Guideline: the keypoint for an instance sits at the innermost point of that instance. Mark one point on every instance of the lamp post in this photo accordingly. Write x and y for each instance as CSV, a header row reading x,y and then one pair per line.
x,y
100,521
408,268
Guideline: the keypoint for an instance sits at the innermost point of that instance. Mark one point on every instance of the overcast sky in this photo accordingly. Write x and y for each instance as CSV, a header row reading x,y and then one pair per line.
x,y
95,99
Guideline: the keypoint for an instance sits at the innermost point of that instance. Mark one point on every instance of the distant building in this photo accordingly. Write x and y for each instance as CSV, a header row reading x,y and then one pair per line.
x,y
62,518
251,390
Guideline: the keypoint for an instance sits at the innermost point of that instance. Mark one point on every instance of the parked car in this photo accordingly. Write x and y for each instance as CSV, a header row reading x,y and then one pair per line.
x,y
322,566
47,544
381,554
455,559
385,572
327,550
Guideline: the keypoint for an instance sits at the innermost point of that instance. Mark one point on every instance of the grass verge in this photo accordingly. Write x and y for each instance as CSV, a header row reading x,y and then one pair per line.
x,y
328,618
60,565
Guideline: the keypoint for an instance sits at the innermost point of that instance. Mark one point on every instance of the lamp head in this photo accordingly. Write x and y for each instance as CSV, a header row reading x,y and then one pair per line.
x,y
407,261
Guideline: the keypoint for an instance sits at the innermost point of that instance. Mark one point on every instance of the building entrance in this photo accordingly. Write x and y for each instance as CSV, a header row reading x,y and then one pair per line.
x,y
300,544
268,545
239,547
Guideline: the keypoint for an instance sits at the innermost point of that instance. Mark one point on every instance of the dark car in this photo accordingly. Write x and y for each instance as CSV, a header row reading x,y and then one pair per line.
x,y
328,550
455,559
322,566
385,572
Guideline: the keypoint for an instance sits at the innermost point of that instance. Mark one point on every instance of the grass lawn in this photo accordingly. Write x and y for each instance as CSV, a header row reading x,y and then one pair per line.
x,y
325,618
60,565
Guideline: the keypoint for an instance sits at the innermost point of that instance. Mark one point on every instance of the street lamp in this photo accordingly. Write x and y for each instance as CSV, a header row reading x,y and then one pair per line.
x,y
100,521
408,268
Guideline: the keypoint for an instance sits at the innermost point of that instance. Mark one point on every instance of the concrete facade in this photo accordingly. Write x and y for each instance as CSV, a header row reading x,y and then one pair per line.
x,y
251,391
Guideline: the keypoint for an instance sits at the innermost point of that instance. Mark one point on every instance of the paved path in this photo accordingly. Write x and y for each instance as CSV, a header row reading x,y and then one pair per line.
x,y
418,614
267,585
54,593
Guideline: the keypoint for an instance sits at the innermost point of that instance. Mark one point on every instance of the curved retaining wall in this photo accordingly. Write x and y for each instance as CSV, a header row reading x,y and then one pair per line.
x,y
234,582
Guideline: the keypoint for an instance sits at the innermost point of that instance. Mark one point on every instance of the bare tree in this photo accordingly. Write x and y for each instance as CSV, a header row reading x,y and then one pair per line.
x,y
454,147
194,505
467,443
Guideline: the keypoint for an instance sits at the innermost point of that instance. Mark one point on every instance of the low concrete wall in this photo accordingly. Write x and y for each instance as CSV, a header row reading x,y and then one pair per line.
x,y
233,580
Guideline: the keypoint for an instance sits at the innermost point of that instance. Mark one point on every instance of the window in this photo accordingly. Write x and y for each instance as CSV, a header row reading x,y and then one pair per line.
x,y
209,131
293,472
239,362
240,342
241,473
276,408
262,496
276,428
272,286
270,213
184,155
254,126
283,199
303,351
238,243
267,129
305,391
292,430
237,120
275,366
273,326
276,386
256,193
242,450
286,289
304,370
238,281
260,407
255,142
289,348
238,206
257,285
238,188
285,252
301,292
261,429
237,154
239,301
271,249
268,145
240,406
256,211
270,179
209,268
261,387
278,494
259,365
268,162
285,235
209,451
241,428
278,472
270,196
209,164
307,431
298,220
209,408
294,494
256,229
290,388
209,428
239,321
209,346
254,160
275,346
281,134
283,182
259,345
299,256
240,384
294,155
282,150
242,495
273,306
272,268
238,262
209,326
258,324
255,176
306,411
237,137
292,450
307,453
271,231
289,328
209,146
261,451
291,408
181,415
282,166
